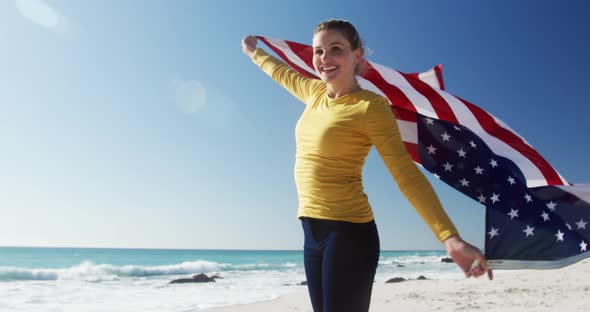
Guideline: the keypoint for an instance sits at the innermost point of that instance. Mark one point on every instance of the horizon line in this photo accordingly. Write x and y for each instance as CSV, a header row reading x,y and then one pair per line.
x,y
189,249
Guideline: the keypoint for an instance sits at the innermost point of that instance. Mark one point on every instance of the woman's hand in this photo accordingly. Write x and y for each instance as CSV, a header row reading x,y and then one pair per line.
x,y
249,45
467,257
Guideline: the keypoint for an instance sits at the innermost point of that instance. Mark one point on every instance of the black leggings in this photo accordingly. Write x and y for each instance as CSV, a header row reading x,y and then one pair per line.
x,y
340,262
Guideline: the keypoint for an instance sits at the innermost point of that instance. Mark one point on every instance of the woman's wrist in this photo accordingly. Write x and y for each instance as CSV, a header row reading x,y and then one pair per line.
x,y
451,241
252,52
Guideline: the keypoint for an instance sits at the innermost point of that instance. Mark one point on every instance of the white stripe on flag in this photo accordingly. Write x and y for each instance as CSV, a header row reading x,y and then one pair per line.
x,y
394,78
535,264
430,78
408,131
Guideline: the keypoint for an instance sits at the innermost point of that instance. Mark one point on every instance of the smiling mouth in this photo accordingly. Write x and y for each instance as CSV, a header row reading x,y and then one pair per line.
x,y
328,69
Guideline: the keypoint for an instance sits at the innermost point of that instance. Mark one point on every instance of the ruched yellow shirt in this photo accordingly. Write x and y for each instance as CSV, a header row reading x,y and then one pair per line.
x,y
334,137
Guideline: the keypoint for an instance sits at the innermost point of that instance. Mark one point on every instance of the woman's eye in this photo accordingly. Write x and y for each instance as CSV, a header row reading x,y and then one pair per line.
x,y
318,52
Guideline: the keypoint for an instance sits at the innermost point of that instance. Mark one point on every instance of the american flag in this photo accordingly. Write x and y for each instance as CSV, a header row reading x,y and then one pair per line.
x,y
535,218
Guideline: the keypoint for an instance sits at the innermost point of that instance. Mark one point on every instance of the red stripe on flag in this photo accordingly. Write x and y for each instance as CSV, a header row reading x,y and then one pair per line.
x,y
393,93
488,123
403,114
441,107
438,71
412,149
414,75
286,59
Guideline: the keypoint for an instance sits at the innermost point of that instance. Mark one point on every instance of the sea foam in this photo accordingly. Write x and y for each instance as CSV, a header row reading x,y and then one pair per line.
x,y
89,271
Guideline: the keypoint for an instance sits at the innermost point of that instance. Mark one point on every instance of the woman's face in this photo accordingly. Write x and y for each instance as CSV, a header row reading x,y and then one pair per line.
x,y
333,58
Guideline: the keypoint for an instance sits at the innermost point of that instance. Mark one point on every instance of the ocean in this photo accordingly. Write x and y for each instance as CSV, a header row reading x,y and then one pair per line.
x,y
99,279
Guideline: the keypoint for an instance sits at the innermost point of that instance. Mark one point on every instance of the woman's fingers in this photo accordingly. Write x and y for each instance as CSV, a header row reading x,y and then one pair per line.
x,y
480,267
249,44
467,257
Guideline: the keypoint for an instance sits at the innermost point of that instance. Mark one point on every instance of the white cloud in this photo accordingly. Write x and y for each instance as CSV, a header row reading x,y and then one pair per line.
x,y
38,12
191,96
42,14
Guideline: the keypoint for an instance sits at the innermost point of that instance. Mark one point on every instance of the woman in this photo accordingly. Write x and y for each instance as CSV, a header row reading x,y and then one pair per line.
x,y
340,124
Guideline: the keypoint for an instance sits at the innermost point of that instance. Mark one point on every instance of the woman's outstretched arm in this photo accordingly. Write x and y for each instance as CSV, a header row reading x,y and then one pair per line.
x,y
383,131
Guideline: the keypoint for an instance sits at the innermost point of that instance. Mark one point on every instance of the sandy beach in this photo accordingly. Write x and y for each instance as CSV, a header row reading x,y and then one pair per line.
x,y
565,289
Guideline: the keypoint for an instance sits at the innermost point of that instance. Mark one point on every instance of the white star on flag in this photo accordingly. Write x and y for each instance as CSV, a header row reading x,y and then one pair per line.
x,y
559,235
493,232
528,198
448,166
445,136
545,216
464,182
551,206
511,180
494,163
473,144
429,121
461,153
513,214
431,149
482,199
478,170
495,198
583,246
581,224
529,231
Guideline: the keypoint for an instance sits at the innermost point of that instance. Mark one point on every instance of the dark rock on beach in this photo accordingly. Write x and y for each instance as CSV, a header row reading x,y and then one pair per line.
x,y
199,278
401,266
401,279
304,283
447,260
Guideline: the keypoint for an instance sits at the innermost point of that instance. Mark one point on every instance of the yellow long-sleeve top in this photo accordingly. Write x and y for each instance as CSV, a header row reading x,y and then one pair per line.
x,y
334,136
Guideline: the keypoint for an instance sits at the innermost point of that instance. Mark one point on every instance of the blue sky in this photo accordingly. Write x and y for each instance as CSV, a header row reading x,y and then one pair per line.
x,y
142,124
